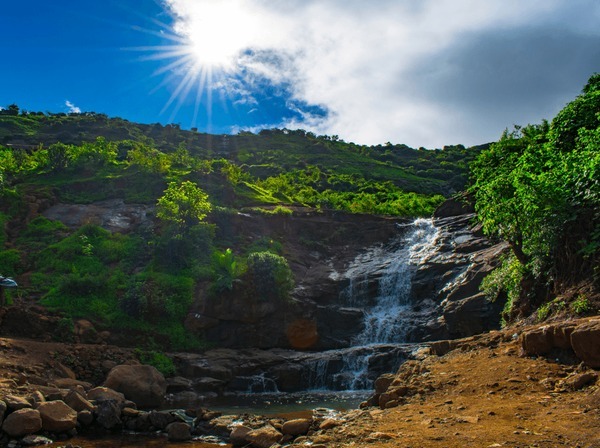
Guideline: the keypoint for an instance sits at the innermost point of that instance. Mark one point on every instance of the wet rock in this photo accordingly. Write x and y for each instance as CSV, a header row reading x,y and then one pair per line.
x,y
22,422
302,334
296,427
179,432
264,437
143,384
57,416
161,419
108,414
33,440
178,384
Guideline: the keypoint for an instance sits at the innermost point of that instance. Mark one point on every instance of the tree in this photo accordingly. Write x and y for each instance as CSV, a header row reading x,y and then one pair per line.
x,y
537,188
183,204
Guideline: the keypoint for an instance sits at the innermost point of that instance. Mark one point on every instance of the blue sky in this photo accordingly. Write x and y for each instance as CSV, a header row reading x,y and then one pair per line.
x,y
420,72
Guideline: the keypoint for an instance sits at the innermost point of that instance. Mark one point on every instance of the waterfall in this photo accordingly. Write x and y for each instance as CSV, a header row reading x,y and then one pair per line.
x,y
384,321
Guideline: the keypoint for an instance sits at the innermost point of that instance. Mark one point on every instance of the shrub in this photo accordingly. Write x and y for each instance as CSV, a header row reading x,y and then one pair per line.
x,y
162,362
270,276
581,305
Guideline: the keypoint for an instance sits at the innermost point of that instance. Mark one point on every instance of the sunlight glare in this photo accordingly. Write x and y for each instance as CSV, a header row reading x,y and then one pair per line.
x,y
218,32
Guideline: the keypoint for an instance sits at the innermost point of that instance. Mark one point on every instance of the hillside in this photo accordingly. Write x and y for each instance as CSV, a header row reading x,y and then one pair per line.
x,y
129,225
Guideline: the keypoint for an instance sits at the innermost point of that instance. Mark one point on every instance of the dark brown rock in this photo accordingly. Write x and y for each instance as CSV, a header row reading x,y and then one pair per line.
x,y
179,432
585,340
142,384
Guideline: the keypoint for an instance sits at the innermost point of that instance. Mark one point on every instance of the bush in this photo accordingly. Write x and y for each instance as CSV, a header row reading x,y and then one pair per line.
x,y
270,276
162,362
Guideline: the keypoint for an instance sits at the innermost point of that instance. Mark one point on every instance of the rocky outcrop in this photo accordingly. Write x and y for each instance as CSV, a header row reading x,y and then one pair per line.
x,y
580,338
141,384
450,278
113,215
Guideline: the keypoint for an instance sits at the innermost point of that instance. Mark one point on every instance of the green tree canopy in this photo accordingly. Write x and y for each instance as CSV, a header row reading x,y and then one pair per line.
x,y
184,204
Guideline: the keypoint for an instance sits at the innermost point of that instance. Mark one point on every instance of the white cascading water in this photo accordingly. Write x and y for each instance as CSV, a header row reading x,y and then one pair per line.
x,y
385,321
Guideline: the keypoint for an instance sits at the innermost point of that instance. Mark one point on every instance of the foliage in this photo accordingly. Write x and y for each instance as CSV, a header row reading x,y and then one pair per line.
x,y
162,362
504,283
184,204
538,188
225,270
581,305
270,276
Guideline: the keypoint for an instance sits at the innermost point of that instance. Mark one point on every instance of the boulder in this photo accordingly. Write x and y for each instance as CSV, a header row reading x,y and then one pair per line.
x,y
179,432
162,419
239,434
585,340
77,402
296,427
85,418
264,437
108,414
57,416
22,422
142,384
537,341
104,393
15,403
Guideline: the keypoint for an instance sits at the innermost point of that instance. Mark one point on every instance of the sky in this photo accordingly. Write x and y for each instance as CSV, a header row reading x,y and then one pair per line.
x,y
425,73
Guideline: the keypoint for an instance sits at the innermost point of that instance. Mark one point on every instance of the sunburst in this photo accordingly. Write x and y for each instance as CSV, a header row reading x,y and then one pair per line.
x,y
202,50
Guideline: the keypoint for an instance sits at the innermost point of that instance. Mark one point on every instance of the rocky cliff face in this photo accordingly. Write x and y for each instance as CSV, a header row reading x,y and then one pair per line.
x,y
339,278
338,261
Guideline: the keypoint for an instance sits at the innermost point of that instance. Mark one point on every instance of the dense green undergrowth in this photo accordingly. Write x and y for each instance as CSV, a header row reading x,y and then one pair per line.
x,y
538,188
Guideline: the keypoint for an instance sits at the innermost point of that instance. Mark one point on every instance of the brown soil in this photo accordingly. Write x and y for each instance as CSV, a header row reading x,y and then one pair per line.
x,y
483,394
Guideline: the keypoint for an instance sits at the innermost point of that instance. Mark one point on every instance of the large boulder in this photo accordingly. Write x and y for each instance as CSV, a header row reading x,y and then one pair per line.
x,y
585,340
142,384
57,416
179,432
22,422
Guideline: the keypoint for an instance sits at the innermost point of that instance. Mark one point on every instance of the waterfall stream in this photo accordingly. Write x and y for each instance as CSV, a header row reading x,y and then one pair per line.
x,y
385,321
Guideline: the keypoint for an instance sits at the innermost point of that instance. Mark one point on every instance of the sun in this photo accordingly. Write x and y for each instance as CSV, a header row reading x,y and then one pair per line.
x,y
217,33
203,47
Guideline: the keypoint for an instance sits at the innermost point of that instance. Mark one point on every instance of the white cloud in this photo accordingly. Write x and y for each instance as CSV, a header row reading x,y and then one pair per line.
x,y
72,108
373,65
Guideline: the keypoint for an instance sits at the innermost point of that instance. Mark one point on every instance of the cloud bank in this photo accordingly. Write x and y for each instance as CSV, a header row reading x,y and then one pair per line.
x,y
420,72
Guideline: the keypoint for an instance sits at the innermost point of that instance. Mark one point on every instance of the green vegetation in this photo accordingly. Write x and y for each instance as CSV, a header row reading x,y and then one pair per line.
x,y
270,276
538,188
162,362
